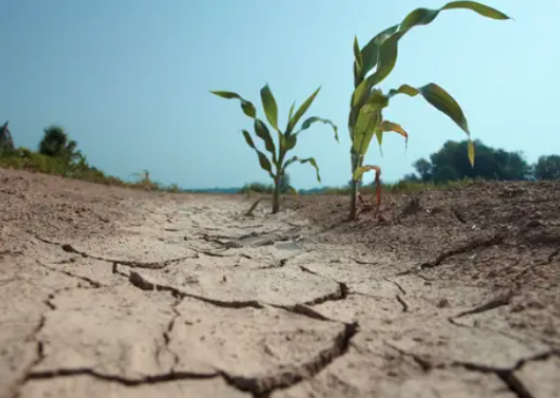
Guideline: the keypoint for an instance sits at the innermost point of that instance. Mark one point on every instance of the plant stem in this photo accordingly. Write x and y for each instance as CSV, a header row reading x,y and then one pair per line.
x,y
354,187
276,197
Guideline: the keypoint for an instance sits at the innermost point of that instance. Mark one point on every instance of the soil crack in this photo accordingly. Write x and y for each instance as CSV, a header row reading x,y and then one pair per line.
x,y
262,387
134,264
496,302
474,244
154,379
143,283
403,303
507,375
341,294
91,282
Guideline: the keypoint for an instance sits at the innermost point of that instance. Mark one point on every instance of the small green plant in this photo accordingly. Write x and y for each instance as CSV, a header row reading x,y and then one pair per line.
x,y
277,164
144,181
367,102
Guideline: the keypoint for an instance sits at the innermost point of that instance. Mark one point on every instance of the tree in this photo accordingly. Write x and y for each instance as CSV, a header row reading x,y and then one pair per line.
x,y
368,102
57,144
424,169
548,168
6,141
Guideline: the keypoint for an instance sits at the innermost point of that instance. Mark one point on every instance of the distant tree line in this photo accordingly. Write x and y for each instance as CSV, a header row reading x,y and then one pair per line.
x,y
59,155
451,163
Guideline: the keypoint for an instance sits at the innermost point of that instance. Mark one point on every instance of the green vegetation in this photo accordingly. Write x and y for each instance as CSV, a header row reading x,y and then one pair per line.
x,y
57,154
367,102
277,164
547,168
258,187
450,167
451,164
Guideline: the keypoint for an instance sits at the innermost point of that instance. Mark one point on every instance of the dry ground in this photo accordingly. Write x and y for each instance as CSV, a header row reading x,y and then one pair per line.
x,y
107,292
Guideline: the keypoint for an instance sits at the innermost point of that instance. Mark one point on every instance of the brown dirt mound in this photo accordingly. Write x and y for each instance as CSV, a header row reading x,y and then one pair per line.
x,y
491,231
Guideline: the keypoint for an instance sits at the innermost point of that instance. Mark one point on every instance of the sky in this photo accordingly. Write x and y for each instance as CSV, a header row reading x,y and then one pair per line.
x,y
129,80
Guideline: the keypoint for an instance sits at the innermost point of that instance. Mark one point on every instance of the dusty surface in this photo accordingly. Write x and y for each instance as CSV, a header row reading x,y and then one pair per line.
x,y
119,293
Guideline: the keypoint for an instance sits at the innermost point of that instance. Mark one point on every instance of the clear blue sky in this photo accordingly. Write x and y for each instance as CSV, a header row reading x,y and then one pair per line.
x,y
130,80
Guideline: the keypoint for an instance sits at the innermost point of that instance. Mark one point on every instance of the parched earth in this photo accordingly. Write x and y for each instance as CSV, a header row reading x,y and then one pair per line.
x,y
120,293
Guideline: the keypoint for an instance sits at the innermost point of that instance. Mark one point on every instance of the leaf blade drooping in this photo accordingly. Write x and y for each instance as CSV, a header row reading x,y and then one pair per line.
x,y
387,126
263,133
313,119
388,48
311,161
263,160
444,102
247,107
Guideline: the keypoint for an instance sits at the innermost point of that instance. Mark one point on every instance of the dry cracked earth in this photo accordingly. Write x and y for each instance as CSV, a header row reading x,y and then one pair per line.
x,y
108,292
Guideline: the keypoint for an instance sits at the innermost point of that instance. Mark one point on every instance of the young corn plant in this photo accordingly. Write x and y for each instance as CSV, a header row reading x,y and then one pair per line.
x,y
368,101
278,162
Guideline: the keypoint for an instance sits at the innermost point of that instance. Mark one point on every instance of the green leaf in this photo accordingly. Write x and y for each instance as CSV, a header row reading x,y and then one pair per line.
x,y
442,101
263,160
247,107
379,136
270,107
388,54
424,16
471,153
262,132
404,89
369,119
371,50
388,49
294,191
290,142
439,99
358,55
313,119
291,110
300,112
302,161
479,8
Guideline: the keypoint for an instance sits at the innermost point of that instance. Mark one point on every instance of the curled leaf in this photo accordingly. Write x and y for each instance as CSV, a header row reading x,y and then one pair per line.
x,y
439,99
263,160
361,170
262,132
388,48
247,107
387,126
311,161
313,119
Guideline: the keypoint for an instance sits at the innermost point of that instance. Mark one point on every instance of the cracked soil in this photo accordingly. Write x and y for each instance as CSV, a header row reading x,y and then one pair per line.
x,y
113,292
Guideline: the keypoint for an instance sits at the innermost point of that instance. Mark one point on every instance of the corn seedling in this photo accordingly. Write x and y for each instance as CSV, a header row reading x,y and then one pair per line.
x,y
367,102
277,164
